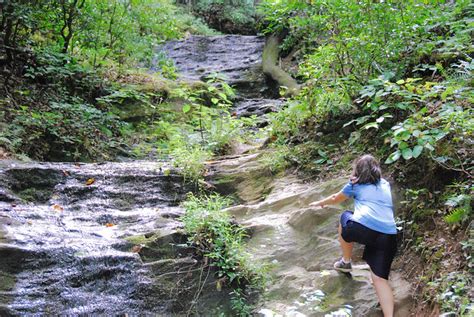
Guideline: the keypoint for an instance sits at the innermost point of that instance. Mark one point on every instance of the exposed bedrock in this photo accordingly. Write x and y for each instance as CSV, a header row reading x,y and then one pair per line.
x,y
99,239
300,242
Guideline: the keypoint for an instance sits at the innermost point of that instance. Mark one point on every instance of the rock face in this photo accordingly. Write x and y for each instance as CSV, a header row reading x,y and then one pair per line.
x,y
237,58
98,239
301,244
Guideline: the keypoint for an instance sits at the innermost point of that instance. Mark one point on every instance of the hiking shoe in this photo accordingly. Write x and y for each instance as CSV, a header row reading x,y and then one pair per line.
x,y
343,266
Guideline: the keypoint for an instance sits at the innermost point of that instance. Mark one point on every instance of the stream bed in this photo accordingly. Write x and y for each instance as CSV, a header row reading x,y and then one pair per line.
x,y
88,239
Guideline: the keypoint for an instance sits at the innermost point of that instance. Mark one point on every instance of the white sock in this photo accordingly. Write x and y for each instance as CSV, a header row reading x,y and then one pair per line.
x,y
347,262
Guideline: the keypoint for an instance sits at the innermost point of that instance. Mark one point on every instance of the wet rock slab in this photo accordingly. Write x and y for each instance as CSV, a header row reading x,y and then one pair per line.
x,y
200,56
300,242
85,244
237,58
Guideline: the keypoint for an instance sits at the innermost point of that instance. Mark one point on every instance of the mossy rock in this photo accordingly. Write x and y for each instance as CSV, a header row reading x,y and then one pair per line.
x,y
34,194
8,282
158,245
34,184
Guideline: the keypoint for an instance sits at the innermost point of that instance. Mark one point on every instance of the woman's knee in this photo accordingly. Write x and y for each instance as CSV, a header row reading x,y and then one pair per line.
x,y
377,279
343,236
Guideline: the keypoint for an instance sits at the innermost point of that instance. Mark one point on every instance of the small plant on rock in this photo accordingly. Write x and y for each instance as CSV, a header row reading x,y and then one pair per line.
x,y
220,241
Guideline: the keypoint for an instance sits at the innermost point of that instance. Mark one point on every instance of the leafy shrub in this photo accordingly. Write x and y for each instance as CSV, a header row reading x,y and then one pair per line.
x,y
166,66
75,131
287,121
458,199
452,293
215,236
277,159
237,16
190,160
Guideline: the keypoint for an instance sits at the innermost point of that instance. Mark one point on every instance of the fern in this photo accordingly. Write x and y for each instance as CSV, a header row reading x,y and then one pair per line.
x,y
456,216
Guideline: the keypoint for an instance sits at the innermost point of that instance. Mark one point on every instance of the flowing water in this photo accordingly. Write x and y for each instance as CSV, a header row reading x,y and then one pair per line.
x,y
64,252
105,238
237,59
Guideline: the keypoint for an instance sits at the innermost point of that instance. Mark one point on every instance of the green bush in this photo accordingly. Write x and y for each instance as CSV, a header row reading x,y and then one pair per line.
x,y
452,293
54,112
215,236
190,160
236,16
64,131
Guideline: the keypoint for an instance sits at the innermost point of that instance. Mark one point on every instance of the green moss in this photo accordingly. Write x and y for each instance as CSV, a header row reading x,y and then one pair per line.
x,y
224,179
140,239
8,282
35,194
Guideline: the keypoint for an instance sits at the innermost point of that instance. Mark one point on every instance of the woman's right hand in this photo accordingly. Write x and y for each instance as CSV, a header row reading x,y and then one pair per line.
x,y
316,204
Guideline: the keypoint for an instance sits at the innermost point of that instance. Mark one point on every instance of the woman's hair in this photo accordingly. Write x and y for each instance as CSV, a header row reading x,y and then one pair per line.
x,y
366,170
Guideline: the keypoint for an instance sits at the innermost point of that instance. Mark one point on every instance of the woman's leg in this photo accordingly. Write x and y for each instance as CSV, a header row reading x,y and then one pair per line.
x,y
384,293
345,246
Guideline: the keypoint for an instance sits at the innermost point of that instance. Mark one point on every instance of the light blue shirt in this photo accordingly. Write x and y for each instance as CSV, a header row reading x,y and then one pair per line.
x,y
373,205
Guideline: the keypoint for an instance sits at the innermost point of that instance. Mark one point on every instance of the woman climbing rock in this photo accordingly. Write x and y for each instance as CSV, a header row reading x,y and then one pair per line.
x,y
371,224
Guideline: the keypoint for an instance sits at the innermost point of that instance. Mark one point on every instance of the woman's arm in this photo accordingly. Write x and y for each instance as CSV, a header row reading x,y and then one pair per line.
x,y
331,200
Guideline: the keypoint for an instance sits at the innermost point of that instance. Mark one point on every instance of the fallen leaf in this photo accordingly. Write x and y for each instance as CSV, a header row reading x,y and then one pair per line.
x,y
136,248
57,208
218,285
108,225
66,173
90,181
325,273
29,222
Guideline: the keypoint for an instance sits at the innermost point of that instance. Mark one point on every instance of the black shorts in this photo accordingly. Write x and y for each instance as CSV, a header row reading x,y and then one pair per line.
x,y
380,248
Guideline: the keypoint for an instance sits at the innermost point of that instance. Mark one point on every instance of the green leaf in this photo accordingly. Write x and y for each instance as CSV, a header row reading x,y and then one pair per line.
x,y
402,145
429,147
399,130
393,157
322,153
441,159
349,123
405,136
400,82
186,108
417,150
215,101
362,120
407,153
374,125
455,216
223,96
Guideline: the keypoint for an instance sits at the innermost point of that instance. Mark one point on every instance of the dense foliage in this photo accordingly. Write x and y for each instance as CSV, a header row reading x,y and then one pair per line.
x,y
394,79
97,32
61,61
227,16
